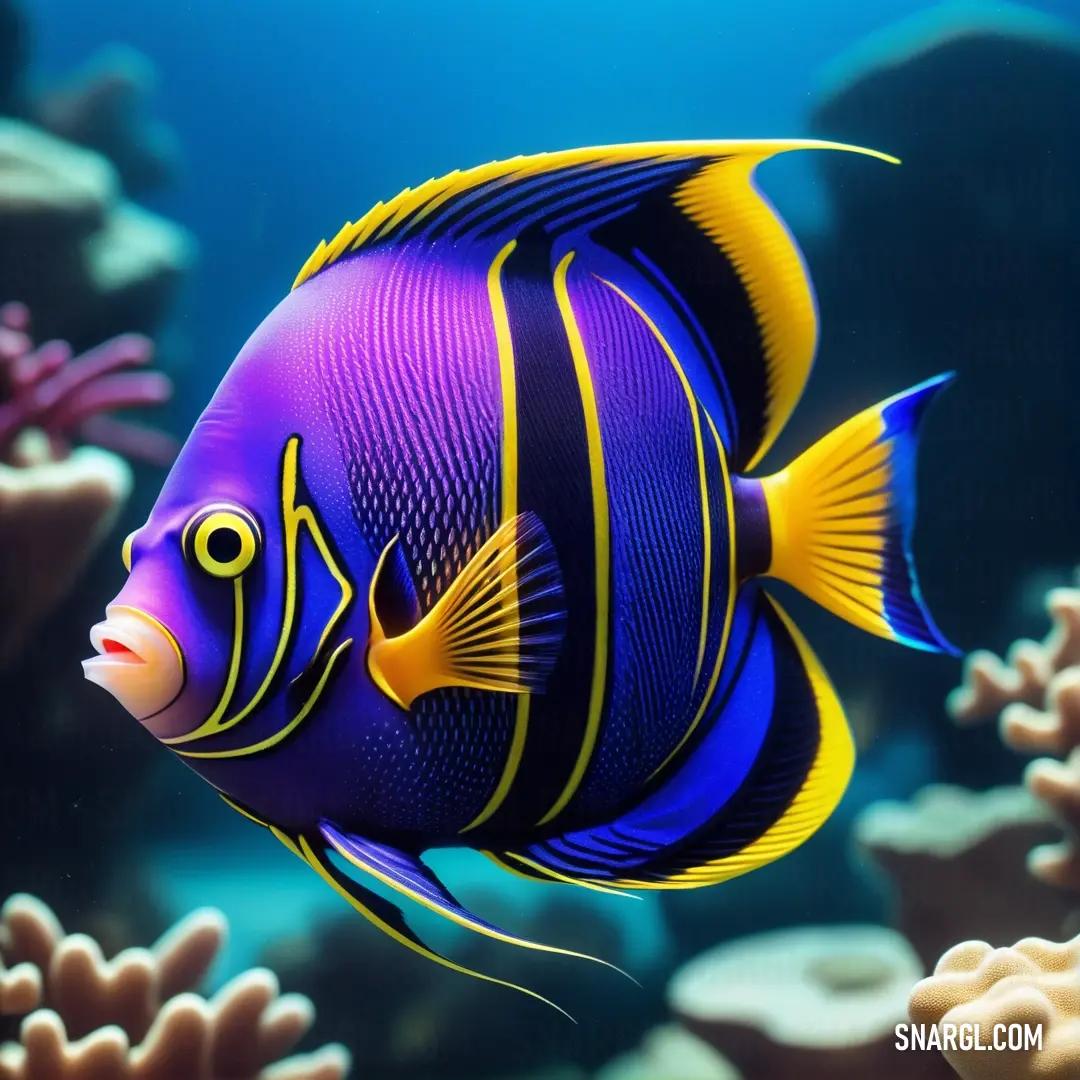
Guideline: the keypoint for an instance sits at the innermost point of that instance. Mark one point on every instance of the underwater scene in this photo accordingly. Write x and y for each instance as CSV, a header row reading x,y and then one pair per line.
x,y
539,541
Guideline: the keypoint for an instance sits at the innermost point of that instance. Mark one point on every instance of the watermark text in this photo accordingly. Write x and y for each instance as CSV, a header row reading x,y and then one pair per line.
x,y
945,1037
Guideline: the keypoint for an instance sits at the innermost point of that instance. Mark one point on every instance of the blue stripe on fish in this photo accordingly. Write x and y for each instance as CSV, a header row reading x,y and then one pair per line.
x,y
657,550
517,200
460,206
563,205
681,313
678,254
735,732
907,614
739,785
514,205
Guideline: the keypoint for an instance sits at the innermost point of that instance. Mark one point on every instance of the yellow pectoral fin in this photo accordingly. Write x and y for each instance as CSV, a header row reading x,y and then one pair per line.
x,y
498,626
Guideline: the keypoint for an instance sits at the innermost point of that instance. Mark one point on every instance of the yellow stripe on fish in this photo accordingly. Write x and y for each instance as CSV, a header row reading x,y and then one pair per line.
x,y
601,539
508,387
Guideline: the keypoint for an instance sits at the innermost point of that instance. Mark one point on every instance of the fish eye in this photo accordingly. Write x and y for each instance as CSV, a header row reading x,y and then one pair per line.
x,y
222,540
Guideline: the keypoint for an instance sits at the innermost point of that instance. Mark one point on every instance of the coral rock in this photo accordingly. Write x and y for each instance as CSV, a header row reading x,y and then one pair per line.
x,y
90,264
136,1015
670,1053
955,857
102,107
50,186
817,1003
944,90
53,515
1034,982
137,259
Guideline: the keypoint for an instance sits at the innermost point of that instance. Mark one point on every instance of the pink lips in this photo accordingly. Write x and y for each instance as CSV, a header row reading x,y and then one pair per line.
x,y
138,661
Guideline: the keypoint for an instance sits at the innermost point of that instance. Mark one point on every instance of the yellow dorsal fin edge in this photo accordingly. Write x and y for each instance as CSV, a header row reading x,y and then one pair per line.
x,y
429,196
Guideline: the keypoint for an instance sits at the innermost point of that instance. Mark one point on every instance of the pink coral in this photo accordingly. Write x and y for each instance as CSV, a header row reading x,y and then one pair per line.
x,y
68,398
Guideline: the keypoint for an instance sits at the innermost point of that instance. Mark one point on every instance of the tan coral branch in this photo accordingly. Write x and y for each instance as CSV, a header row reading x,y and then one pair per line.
x,y
990,684
1036,690
134,1017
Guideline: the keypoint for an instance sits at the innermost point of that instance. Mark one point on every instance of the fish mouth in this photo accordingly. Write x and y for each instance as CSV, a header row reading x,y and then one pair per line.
x,y
138,661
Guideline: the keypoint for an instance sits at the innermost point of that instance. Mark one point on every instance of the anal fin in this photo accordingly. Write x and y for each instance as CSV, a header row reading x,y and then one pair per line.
x,y
408,875
385,915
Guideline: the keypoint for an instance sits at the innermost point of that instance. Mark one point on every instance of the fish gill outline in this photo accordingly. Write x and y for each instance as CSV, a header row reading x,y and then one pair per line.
x,y
293,516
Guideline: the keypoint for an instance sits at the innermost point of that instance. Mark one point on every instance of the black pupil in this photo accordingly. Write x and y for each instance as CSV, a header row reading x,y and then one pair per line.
x,y
223,544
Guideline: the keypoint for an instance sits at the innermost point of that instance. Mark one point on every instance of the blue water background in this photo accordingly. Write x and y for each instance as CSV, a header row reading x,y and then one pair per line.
x,y
297,116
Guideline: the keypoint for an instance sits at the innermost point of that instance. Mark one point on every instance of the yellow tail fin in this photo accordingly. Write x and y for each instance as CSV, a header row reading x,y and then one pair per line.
x,y
841,517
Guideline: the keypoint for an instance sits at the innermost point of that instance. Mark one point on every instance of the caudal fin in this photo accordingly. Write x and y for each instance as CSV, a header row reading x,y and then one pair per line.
x,y
841,517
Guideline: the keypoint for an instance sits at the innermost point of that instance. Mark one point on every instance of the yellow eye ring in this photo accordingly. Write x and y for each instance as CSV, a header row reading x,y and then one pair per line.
x,y
224,541
125,551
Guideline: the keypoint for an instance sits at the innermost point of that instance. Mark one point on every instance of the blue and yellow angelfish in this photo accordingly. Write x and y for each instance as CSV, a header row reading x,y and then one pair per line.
x,y
464,550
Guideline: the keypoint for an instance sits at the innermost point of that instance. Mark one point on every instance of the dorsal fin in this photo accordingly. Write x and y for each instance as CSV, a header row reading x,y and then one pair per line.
x,y
685,215
413,212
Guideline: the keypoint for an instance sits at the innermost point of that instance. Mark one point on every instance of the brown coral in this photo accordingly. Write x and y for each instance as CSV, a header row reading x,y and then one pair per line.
x,y
670,1053
813,1002
1036,690
53,514
134,1017
103,107
1035,982
89,263
952,857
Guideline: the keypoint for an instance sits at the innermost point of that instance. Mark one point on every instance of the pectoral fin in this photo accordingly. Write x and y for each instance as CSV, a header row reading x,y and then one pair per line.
x,y
498,626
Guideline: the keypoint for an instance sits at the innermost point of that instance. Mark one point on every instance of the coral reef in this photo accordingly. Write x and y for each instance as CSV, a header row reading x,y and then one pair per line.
x,y
55,505
93,267
812,1002
1033,982
103,106
1036,691
953,858
670,1053
135,1017
54,514
64,397
89,263
964,257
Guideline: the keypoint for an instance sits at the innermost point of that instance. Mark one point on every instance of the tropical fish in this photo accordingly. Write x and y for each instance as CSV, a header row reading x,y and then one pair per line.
x,y
464,551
